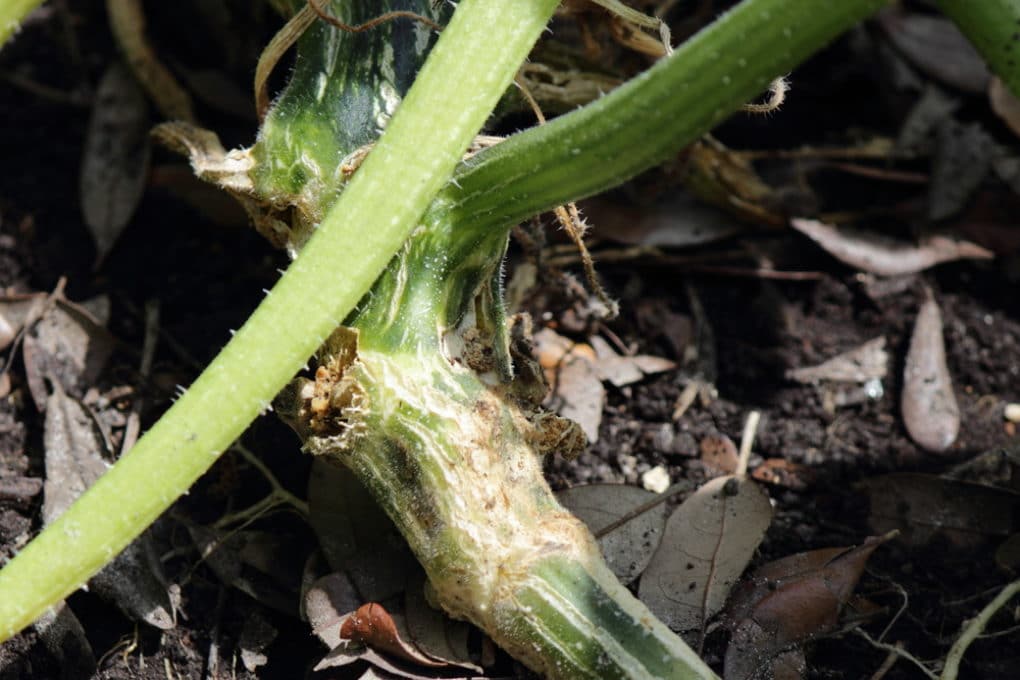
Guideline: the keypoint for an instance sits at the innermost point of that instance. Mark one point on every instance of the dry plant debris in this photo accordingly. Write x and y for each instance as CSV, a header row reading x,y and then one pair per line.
x,y
928,404
709,540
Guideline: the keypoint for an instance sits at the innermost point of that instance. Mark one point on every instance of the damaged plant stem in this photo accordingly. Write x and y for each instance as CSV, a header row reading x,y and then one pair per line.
x,y
421,390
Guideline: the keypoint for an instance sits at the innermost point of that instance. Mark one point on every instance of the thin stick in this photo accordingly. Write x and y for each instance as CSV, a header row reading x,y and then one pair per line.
x,y
974,628
371,23
747,441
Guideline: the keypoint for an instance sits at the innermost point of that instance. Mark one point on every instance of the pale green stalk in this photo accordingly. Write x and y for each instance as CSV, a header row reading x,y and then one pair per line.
x,y
470,67
12,13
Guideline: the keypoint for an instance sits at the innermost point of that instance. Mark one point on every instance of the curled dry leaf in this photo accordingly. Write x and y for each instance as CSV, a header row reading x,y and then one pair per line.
x,y
375,627
789,601
928,405
709,539
116,157
256,635
861,364
576,372
628,548
134,579
64,638
436,634
883,256
922,506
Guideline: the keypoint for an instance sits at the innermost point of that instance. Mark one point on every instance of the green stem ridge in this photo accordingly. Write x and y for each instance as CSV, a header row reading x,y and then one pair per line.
x,y
993,26
472,64
530,575
648,119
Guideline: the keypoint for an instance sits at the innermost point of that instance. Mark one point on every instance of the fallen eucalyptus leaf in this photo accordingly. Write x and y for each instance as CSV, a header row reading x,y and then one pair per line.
x,y
355,534
256,634
67,345
935,46
922,506
861,364
62,635
436,634
789,601
629,548
681,222
928,405
963,156
116,157
327,602
577,392
880,255
708,541
134,579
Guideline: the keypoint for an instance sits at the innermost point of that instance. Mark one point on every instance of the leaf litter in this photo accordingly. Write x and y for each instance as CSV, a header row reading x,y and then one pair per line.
x,y
709,540
629,547
928,405
884,256
788,602
576,372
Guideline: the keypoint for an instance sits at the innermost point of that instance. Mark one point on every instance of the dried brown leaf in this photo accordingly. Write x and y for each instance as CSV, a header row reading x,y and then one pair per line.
x,y
66,345
577,392
683,221
355,534
790,601
936,47
628,548
928,405
436,634
375,627
922,506
327,602
719,454
116,157
709,539
883,256
963,156
861,364
133,580
17,311
782,472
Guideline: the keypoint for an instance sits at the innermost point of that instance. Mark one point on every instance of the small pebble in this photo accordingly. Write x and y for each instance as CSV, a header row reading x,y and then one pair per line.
x,y
1012,413
655,480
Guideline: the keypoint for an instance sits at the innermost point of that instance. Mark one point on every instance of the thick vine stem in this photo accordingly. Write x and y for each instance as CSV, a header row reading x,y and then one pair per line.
x,y
648,119
994,28
470,67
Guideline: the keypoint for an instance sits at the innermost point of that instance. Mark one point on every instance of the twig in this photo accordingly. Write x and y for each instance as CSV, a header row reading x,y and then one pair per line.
x,y
134,419
890,661
747,441
898,651
974,628
371,23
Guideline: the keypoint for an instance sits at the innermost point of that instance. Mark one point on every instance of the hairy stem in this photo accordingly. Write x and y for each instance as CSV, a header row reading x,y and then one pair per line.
x,y
647,120
470,67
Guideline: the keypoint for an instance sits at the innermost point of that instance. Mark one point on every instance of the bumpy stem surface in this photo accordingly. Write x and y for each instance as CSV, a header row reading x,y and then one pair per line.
x,y
470,67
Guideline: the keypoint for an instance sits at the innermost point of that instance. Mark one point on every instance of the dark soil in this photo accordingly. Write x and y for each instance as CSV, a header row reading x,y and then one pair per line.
x,y
207,277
